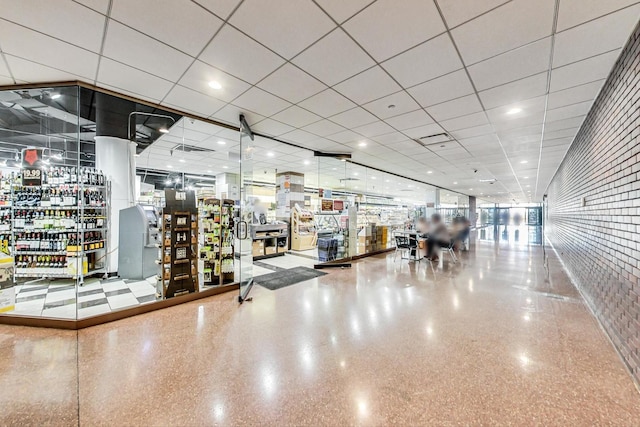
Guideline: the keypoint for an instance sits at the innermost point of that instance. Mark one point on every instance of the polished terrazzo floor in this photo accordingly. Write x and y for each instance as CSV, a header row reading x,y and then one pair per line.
x,y
501,338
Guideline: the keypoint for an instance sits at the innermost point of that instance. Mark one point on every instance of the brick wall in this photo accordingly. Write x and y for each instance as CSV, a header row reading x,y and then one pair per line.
x,y
594,206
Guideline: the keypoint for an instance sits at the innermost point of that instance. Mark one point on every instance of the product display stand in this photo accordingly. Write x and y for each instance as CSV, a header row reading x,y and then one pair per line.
x,y
303,230
227,224
178,255
210,233
60,225
269,240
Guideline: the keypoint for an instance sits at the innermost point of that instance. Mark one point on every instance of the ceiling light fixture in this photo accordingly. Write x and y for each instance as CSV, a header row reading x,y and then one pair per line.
x,y
225,167
163,130
222,142
182,160
306,162
168,182
209,171
362,144
514,111
215,85
429,172
55,95
524,161
170,167
270,154
455,183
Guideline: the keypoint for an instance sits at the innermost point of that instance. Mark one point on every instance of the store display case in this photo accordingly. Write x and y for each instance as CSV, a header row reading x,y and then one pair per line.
x,y
269,240
303,230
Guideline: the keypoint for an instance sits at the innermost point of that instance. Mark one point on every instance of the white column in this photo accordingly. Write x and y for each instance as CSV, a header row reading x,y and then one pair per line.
x,y
115,158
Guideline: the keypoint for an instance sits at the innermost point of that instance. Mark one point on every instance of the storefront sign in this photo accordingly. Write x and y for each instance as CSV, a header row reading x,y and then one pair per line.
x,y
31,166
338,205
327,205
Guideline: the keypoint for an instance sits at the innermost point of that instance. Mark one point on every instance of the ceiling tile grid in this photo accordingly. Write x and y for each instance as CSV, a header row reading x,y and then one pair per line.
x,y
329,73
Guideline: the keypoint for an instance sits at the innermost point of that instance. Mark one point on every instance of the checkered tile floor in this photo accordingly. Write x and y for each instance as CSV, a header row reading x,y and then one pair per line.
x,y
58,300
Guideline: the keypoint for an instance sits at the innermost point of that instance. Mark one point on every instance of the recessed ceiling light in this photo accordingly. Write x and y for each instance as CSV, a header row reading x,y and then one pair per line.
x,y
514,111
335,169
471,189
386,180
163,130
429,171
524,161
170,167
355,174
222,142
215,85
225,167
528,186
182,160
55,95
270,154
455,183
373,177
526,177
306,162
362,144
209,171
136,155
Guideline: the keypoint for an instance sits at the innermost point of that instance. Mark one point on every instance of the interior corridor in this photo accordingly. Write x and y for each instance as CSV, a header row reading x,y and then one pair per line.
x,y
499,338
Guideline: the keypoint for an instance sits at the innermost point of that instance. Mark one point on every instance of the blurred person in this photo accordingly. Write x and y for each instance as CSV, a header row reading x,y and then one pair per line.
x,y
438,236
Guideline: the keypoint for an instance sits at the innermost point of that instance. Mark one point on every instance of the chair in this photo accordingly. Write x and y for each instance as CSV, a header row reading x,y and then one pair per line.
x,y
451,250
402,245
413,247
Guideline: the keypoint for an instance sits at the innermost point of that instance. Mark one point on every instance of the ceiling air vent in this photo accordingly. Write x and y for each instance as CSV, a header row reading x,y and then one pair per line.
x,y
190,149
432,140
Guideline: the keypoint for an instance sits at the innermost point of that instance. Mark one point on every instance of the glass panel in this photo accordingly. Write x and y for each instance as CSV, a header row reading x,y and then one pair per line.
x,y
39,158
332,214
246,213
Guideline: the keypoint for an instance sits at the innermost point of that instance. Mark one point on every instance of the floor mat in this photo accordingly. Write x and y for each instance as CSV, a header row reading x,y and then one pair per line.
x,y
280,279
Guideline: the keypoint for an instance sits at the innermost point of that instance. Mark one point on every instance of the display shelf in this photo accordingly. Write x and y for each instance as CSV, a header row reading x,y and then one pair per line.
x,y
67,192
209,210
303,230
177,257
269,240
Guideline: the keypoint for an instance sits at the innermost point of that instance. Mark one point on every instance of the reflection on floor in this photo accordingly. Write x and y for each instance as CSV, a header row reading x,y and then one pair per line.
x,y
500,338
57,298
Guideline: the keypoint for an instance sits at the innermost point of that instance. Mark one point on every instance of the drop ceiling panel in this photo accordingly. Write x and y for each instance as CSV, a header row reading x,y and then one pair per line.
x,y
574,12
188,31
392,105
367,86
465,122
292,84
118,75
341,10
453,85
240,56
513,65
53,19
31,72
324,128
334,58
296,116
410,120
374,129
200,74
587,71
458,11
222,8
569,111
592,38
509,93
327,103
512,25
414,22
284,29
261,102
192,101
353,118
473,132
140,51
458,107
421,131
32,46
574,95
417,65
573,122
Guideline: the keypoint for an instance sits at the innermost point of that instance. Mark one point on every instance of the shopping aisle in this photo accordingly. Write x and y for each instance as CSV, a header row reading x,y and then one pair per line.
x,y
494,339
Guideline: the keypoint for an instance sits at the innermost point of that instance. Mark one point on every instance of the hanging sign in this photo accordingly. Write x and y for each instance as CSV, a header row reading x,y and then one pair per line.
x,y
327,205
31,166
338,205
